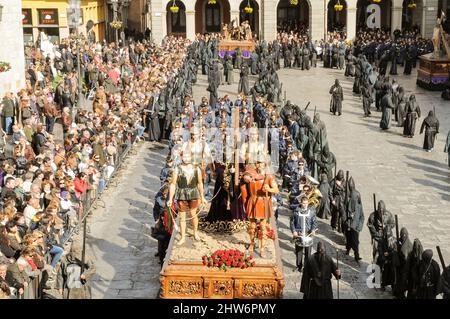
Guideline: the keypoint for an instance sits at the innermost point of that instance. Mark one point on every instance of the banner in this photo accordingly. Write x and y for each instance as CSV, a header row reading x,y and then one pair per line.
x,y
48,16
27,19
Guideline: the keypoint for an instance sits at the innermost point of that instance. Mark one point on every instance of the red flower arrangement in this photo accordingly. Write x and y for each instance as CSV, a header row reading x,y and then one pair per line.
x,y
269,232
226,259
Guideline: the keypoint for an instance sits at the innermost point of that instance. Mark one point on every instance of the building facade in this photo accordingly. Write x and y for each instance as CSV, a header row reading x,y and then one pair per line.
x,y
11,50
268,16
51,17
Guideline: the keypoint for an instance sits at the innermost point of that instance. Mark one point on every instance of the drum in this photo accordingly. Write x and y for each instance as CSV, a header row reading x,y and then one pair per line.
x,y
304,241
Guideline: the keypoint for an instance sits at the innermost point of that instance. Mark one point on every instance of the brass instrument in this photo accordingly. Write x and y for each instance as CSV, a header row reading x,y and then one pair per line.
x,y
314,197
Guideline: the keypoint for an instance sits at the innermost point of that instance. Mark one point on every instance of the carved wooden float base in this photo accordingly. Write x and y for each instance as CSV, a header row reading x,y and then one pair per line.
x,y
230,46
194,281
433,74
184,276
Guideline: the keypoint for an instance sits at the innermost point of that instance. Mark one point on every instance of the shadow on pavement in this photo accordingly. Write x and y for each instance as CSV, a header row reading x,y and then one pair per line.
x,y
427,169
410,146
427,182
428,161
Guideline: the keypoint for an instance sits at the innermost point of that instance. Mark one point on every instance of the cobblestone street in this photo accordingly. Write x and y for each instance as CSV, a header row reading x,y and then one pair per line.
x,y
119,239
413,183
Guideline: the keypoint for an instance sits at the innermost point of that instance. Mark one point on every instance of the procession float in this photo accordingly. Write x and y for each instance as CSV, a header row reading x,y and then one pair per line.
x,y
225,258
433,72
234,37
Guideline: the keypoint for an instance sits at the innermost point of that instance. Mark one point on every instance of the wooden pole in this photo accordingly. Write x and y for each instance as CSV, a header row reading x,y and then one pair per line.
x,y
236,147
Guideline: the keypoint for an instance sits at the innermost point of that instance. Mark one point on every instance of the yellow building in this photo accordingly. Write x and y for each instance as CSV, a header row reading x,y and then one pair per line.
x,y
51,16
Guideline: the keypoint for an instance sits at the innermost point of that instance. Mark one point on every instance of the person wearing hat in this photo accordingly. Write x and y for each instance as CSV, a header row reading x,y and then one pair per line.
x,y
257,187
316,279
228,70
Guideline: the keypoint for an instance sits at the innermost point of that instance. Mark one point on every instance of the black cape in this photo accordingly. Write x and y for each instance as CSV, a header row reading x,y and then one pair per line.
x,y
316,280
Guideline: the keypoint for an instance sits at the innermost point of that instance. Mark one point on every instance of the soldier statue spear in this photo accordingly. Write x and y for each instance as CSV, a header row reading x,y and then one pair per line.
x,y
257,188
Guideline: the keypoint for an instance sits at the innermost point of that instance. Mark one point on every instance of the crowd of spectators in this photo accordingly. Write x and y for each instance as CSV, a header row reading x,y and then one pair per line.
x,y
373,43
47,175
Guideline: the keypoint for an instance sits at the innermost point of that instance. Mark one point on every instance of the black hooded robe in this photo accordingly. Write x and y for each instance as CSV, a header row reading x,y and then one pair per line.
x,y
244,86
431,126
338,191
367,96
324,210
337,96
400,113
400,257
386,107
411,273
386,248
412,114
316,279
429,274
154,131
353,220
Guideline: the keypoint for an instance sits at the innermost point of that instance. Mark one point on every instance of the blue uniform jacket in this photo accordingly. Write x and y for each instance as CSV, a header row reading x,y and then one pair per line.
x,y
296,222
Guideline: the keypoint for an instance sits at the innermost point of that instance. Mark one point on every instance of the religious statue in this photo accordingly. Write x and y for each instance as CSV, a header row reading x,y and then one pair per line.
x,y
236,32
225,32
247,31
437,39
257,188
186,188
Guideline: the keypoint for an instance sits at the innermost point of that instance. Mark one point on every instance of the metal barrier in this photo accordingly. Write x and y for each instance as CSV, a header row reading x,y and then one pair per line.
x,y
90,201
86,205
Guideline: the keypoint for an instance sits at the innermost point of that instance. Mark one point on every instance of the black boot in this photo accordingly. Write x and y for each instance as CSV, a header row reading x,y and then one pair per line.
x,y
357,258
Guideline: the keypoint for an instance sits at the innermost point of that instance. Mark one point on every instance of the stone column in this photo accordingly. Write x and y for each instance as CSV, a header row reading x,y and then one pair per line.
x,y
190,25
429,16
269,22
164,23
351,22
318,19
159,24
396,22
12,50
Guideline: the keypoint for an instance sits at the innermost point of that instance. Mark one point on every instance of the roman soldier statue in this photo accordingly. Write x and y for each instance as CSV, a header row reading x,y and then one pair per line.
x,y
257,188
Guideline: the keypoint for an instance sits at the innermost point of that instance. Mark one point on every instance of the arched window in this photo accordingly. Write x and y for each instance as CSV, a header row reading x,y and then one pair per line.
x,y
337,19
176,21
293,17
253,17
212,17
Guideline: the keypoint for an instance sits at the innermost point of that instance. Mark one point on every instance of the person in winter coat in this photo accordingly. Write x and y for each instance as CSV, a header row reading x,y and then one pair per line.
x,y
74,274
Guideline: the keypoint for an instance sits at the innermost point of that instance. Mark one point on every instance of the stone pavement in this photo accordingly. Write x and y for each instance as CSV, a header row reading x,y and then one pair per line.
x,y
414,185
119,239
